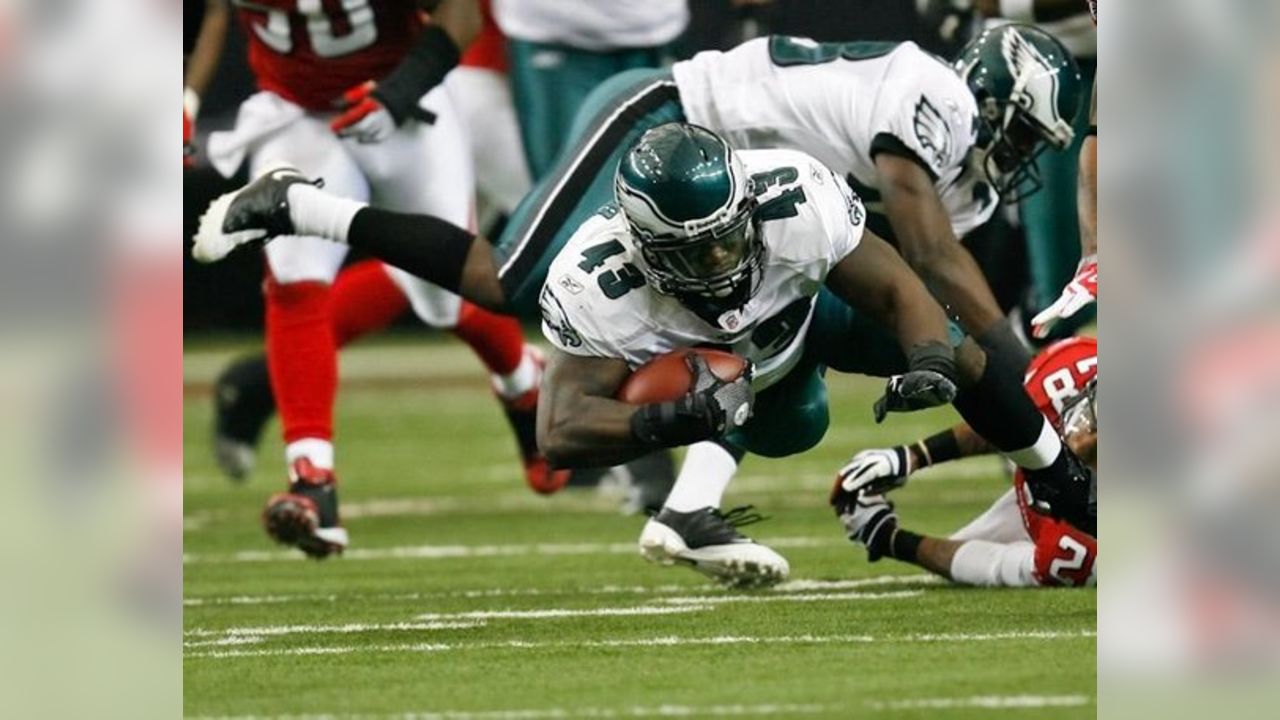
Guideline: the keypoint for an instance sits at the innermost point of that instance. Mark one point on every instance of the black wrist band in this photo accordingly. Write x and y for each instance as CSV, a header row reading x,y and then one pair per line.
x,y
941,447
933,356
904,545
1092,131
671,424
423,67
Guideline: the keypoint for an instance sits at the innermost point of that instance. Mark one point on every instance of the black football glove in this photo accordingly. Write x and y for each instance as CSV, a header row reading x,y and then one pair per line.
x,y
915,390
711,409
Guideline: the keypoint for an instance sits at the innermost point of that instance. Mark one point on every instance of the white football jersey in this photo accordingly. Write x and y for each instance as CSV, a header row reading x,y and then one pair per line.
x,y
839,102
593,24
596,302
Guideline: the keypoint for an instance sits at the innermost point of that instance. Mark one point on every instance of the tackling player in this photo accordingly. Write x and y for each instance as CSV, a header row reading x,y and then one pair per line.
x,y
1012,543
352,92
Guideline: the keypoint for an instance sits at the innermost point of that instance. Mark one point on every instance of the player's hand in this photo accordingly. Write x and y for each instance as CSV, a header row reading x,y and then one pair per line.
x,y
369,116
727,403
190,105
1079,293
363,117
874,472
916,390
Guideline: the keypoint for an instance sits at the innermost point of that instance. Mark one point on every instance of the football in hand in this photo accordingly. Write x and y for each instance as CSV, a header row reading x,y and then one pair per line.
x,y
668,377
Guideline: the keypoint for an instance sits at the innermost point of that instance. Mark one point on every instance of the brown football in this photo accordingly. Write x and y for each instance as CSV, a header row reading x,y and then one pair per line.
x,y
668,377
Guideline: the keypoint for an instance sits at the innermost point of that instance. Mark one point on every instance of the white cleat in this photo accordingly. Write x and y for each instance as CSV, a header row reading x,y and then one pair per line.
x,y
256,212
707,541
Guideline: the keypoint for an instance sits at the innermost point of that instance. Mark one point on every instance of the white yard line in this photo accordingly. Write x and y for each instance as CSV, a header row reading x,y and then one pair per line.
x,y
346,629
802,597
632,711
552,613
985,702
438,552
661,641
792,586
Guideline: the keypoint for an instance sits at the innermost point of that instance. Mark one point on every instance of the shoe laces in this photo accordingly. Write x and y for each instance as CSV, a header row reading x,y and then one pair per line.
x,y
741,516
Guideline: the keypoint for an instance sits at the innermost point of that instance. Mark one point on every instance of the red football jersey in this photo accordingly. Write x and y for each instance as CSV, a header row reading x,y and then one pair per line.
x,y
1064,554
1059,373
311,51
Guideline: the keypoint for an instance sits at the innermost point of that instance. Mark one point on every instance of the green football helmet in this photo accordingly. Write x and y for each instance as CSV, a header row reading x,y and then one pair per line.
x,y
1029,92
690,206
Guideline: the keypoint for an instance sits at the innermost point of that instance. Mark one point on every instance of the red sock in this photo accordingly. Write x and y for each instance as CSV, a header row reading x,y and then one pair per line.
x,y
497,339
365,299
302,357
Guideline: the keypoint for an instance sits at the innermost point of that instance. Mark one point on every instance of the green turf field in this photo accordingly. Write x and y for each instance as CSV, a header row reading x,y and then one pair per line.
x,y
465,596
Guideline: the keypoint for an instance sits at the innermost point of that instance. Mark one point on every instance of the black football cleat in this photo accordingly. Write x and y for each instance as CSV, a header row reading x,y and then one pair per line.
x,y
708,541
255,213
243,403
306,516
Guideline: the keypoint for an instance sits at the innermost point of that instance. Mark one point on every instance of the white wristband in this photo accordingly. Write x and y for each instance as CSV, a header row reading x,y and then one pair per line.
x,y
1018,10
190,102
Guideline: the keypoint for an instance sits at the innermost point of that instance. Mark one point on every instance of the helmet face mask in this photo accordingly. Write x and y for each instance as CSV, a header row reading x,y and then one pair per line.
x,y
1029,91
690,208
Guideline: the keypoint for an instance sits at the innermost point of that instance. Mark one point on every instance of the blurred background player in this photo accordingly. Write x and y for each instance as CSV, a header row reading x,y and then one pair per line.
x,y
1014,543
1082,290
353,93
365,298
561,50
1054,232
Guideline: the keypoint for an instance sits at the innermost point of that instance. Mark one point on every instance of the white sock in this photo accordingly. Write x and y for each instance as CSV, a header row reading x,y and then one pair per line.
x,y
1040,455
316,212
703,478
318,451
988,564
518,381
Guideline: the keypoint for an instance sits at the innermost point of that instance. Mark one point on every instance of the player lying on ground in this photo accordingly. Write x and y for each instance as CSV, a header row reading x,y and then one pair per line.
x,y
759,259
1012,543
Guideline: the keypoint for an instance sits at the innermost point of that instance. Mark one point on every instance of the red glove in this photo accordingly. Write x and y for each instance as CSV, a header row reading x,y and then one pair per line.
x,y
1078,294
364,117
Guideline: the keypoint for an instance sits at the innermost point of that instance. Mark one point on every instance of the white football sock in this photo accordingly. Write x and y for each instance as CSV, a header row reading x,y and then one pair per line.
x,y
316,212
317,450
988,564
703,478
1040,455
518,381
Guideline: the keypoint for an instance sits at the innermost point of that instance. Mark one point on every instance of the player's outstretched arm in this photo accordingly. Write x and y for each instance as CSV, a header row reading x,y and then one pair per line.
x,y
930,247
874,279
880,470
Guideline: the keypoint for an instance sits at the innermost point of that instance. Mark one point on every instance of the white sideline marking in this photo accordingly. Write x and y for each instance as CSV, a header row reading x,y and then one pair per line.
x,y
347,629
564,613
438,552
804,597
986,702
786,587
661,641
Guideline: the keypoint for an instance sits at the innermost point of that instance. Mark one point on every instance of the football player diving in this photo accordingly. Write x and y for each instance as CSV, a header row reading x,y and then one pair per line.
x,y
760,252
1013,543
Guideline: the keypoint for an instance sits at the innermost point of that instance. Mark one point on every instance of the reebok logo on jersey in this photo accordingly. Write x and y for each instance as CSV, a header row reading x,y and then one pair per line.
x,y
568,283
932,133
